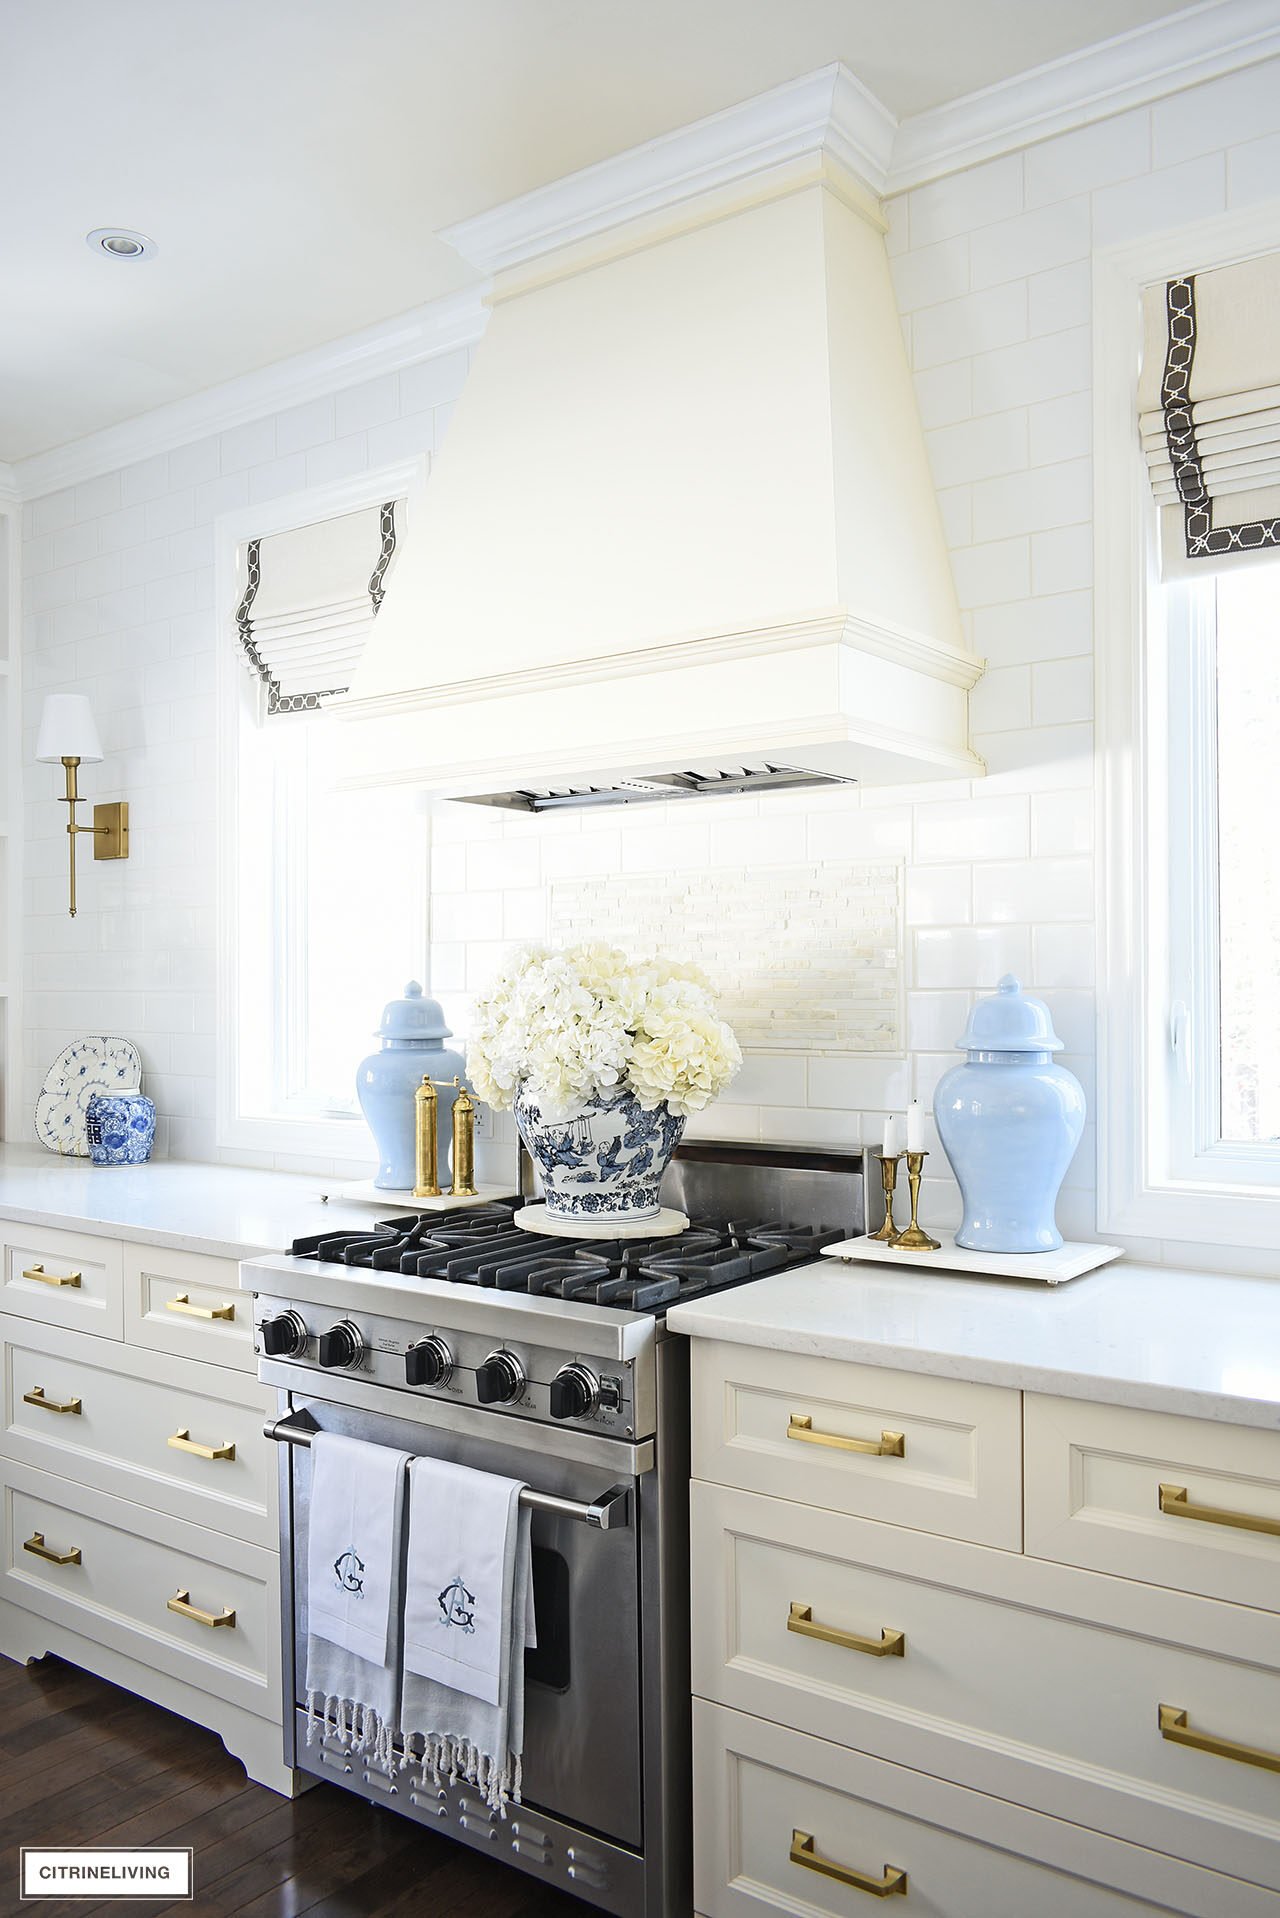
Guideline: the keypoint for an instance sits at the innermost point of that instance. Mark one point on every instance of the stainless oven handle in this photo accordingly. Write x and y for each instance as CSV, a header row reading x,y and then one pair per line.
x,y
604,1514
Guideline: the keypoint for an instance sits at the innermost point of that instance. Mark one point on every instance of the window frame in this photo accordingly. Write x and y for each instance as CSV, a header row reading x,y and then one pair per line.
x,y
1156,749
342,1142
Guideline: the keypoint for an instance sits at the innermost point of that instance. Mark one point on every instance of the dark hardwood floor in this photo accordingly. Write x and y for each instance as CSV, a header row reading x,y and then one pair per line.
x,y
84,1763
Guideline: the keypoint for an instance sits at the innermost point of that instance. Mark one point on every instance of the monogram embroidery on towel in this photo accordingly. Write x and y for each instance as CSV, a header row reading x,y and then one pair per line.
x,y
349,1572
457,1606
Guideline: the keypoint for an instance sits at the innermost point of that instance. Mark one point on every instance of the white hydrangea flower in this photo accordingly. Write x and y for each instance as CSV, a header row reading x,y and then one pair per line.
x,y
579,1025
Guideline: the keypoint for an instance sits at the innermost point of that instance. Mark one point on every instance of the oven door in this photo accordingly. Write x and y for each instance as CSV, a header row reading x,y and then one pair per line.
x,y
582,1755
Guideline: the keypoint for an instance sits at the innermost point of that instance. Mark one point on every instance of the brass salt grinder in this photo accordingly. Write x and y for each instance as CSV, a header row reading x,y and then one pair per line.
x,y
425,1110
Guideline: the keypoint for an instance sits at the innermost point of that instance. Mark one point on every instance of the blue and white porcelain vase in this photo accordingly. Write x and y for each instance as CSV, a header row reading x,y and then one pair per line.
x,y
411,1039
120,1128
1010,1121
607,1164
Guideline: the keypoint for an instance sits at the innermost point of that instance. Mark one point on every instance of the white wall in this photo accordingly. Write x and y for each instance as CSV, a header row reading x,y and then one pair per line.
x,y
993,274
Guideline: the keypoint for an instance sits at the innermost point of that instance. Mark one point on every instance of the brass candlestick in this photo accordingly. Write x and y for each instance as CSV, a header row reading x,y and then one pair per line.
x,y
915,1238
464,1144
426,1183
889,1180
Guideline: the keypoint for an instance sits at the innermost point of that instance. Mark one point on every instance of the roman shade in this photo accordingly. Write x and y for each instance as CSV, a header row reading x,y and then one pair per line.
x,y
307,599
1209,415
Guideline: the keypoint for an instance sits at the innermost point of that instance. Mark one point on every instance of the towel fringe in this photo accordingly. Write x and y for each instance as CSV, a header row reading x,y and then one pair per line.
x,y
353,1724
450,1759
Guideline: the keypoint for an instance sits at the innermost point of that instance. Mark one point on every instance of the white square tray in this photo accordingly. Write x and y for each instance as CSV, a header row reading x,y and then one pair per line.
x,y
1070,1261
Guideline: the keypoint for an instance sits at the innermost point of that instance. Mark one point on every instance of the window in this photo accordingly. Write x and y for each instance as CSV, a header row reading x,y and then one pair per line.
x,y
1223,880
1187,636
324,896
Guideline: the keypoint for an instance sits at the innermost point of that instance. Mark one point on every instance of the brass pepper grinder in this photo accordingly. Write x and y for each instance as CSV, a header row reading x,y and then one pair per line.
x,y
425,1104
915,1238
464,1144
888,1179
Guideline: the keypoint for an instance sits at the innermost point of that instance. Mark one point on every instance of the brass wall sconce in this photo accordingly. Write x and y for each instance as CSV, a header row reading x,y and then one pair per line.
x,y
68,736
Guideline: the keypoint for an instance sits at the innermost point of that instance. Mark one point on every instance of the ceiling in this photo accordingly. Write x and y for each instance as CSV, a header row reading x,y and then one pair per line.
x,y
294,159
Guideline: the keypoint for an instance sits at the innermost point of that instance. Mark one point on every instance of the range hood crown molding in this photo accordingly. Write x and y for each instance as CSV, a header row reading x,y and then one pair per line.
x,y
825,117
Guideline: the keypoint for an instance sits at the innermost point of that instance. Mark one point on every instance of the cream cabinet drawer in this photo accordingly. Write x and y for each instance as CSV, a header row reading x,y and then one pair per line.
x,y
200,1607
934,1454
181,1437
62,1278
1182,1502
791,1824
1046,1689
188,1304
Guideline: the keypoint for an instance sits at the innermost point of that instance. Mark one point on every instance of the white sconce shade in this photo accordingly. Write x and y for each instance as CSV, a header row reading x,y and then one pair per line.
x,y
67,730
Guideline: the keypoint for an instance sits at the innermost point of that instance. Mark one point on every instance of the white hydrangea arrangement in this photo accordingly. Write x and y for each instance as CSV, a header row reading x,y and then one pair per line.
x,y
588,1022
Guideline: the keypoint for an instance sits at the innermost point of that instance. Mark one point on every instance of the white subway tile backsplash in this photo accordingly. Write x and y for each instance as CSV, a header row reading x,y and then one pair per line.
x,y
973,957
1061,823
301,427
975,449
1175,196
860,1084
939,895
980,828
1059,298
1061,429
1035,891
1092,156
944,394
1221,113
929,274
996,571
1253,171
1048,237
371,404
976,322
1062,560
1047,497
1039,369
1052,627
1062,691
965,201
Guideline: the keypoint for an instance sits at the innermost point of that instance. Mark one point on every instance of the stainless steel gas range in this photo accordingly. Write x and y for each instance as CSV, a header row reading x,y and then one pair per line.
x,y
460,1336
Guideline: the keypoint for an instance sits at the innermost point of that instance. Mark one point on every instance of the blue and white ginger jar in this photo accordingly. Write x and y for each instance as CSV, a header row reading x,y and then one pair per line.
x,y
120,1128
1010,1120
607,1164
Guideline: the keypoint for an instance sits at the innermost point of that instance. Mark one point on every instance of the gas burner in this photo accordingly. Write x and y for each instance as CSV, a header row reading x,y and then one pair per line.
x,y
481,1246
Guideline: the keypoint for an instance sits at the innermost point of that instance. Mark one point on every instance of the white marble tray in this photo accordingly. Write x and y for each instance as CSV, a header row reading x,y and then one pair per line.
x,y
1070,1261
367,1193
535,1218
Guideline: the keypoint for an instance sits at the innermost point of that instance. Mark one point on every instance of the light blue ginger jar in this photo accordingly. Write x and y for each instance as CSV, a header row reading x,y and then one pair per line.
x,y
1009,1120
411,1043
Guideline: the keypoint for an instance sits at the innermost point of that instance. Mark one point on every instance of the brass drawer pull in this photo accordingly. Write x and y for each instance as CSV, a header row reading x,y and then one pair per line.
x,y
889,1881
38,1549
51,1278
890,1644
1173,1726
183,1304
182,1441
181,1604
1174,1503
888,1445
36,1397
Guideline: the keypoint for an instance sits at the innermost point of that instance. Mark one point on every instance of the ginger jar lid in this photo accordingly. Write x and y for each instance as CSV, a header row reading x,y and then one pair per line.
x,y
412,1017
1009,1021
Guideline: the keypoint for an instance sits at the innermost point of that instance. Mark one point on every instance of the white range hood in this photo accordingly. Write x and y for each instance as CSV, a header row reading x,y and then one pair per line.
x,y
683,519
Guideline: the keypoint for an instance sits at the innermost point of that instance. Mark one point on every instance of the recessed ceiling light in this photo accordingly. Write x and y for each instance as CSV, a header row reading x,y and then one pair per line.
x,y
120,243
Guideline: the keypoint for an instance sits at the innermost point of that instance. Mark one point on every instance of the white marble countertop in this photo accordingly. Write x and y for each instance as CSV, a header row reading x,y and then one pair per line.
x,y
1171,1341
224,1210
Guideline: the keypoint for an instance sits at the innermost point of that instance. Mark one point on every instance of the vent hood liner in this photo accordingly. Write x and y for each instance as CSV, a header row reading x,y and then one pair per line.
x,y
683,520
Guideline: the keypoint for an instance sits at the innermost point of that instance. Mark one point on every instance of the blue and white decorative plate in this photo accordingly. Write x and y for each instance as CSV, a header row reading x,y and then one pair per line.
x,y
88,1065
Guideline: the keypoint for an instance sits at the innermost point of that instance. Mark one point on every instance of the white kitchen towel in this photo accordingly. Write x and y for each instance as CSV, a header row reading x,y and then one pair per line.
x,y
468,1618
355,1531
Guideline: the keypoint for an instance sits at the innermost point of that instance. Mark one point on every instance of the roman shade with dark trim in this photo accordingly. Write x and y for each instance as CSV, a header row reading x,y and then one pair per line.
x,y
307,598
1209,414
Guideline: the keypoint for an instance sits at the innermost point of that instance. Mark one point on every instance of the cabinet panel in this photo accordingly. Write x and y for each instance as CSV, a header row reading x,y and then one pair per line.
x,y
62,1278
109,1569
173,1434
1046,1690
933,1454
187,1304
1187,1503
771,1806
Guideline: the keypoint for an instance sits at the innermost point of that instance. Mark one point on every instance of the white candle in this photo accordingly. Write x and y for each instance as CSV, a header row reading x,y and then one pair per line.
x,y
915,1127
892,1136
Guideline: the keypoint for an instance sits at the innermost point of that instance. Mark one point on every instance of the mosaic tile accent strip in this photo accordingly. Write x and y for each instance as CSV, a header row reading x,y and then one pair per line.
x,y
808,958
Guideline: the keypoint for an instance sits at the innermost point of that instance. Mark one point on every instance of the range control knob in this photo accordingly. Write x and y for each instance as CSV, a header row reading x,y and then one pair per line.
x,y
574,1392
429,1362
341,1345
500,1379
284,1337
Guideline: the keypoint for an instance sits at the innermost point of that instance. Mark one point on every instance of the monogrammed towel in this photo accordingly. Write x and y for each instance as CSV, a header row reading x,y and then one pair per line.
x,y
355,1591
468,1618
